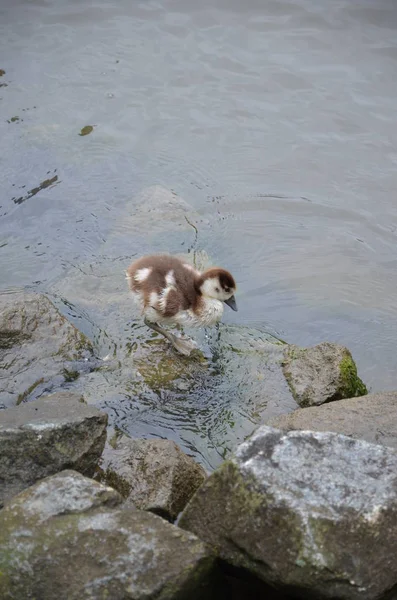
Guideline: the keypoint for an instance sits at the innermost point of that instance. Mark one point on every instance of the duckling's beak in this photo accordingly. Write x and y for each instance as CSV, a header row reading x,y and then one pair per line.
x,y
232,303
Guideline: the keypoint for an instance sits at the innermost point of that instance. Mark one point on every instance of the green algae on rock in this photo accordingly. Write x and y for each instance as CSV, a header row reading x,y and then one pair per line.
x,y
166,370
350,383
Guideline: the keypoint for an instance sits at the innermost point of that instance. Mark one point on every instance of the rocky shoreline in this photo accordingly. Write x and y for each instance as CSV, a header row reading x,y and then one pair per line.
x,y
305,507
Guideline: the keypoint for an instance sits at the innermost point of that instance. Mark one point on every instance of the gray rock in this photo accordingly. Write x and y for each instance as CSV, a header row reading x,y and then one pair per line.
x,y
155,212
321,374
151,474
314,514
372,418
67,492
37,344
48,435
65,539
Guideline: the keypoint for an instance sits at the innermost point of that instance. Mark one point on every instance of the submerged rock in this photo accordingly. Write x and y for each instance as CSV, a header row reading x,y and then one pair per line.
x,y
207,403
314,514
37,344
321,374
157,209
153,474
46,436
162,368
65,538
372,418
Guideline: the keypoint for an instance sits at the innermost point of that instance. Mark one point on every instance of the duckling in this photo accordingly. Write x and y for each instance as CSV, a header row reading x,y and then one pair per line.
x,y
172,292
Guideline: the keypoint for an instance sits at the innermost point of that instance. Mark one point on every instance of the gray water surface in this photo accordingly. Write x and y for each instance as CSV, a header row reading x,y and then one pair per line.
x,y
276,121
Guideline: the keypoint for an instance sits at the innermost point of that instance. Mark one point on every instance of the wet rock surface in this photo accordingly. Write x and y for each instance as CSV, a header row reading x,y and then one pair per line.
x,y
48,435
321,374
372,418
65,538
206,404
314,514
152,474
39,348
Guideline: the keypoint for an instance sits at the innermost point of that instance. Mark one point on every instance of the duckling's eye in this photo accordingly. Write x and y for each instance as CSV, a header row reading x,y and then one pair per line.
x,y
217,289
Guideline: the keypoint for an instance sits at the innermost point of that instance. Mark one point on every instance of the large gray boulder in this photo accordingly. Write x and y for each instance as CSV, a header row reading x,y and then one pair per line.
x,y
39,348
151,474
48,435
321,373
314,514
65,538
372,418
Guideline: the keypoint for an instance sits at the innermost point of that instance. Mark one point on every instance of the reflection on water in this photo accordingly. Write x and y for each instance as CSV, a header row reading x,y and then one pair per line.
x,y
275,122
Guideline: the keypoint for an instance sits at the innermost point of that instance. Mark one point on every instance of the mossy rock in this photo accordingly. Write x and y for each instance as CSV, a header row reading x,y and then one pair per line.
x,y
322,373
161,367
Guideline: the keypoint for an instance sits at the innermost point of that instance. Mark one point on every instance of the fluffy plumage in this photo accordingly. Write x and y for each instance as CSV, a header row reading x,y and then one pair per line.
x,y
172,292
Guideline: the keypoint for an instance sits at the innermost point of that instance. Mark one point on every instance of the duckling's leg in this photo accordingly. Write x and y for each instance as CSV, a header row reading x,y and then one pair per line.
x,y
184,346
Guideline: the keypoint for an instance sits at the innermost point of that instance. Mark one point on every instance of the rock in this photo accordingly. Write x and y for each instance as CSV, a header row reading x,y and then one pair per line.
x,y
48,435
314,514
37,344
152,474
157,209
372,418
321,374
64,493
65,538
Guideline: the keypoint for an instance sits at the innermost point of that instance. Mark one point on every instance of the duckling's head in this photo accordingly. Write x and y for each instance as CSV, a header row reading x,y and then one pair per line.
x,y
218,284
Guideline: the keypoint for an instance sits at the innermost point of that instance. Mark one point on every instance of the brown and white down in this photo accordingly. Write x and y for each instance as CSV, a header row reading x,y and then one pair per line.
x,y
171,292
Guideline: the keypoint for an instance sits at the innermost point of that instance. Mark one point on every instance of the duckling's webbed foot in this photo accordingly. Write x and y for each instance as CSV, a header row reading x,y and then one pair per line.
x,y
182,345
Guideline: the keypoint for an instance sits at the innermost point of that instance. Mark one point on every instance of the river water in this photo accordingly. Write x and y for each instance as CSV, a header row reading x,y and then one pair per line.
x,y
275,121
